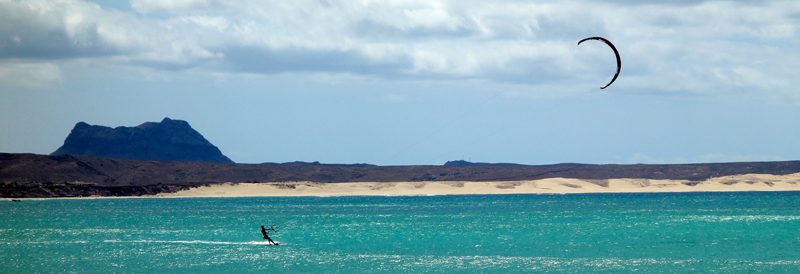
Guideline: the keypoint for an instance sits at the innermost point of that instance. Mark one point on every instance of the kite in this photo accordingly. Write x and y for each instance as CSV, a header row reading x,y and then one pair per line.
x,y
616,53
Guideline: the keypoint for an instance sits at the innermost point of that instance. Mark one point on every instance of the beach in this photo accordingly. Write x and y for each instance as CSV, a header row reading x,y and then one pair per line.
x,y
746,182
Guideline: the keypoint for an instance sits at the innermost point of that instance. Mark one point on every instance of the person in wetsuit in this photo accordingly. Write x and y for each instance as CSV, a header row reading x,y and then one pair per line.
x,y
266,237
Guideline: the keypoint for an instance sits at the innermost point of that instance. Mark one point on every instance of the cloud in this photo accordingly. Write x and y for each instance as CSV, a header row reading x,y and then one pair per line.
x,y
700,47
148,6
29,75
49,30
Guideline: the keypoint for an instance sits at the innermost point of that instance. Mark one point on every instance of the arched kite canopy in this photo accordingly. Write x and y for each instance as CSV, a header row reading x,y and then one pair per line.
x,y
616,53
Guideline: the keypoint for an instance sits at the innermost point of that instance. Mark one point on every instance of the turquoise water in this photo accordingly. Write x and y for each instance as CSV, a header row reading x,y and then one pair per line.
x,y
694,232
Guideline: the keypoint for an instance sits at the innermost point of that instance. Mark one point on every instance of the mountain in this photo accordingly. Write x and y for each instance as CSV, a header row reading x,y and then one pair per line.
x,y
462,163
168,140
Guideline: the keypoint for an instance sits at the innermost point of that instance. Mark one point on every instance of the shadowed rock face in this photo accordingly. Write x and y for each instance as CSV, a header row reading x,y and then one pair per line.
x,y
169,140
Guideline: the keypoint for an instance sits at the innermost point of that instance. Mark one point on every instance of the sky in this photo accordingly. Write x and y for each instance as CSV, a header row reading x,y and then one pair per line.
x,y
398,82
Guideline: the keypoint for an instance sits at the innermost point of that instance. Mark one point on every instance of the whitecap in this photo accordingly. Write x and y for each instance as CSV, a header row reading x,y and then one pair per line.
x,y
192,242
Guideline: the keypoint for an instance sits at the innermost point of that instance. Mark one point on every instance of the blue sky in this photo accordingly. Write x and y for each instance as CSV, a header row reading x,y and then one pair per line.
x,y
412,82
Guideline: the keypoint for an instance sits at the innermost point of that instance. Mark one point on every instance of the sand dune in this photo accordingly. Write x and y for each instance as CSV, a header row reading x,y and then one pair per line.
x,y
747,182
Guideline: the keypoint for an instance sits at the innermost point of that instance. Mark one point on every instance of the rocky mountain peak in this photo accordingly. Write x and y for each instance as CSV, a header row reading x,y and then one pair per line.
x,y
168,140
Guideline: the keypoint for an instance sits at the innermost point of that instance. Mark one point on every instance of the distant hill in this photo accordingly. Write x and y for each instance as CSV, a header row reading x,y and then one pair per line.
x,y
169,140
462,163
30,175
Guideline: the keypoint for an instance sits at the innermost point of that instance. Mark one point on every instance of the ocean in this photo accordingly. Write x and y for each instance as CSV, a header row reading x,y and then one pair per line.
x,y
576,233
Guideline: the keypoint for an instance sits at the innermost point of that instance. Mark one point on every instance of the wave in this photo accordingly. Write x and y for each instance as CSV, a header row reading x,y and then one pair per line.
x,y
740,218
141,241
44,242
192,242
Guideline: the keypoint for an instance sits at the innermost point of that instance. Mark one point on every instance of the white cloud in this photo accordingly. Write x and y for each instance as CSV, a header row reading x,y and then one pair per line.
x,y
74,29
147,6
29,75
683,47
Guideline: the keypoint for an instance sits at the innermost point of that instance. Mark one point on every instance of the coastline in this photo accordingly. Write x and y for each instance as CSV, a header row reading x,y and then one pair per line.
x,y
735,183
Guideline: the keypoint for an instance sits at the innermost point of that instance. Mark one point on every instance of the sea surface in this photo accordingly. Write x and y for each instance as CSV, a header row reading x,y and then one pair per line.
x,y
578,233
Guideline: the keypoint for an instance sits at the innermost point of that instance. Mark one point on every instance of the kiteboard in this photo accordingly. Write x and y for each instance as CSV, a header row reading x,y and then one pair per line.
x,y
265,242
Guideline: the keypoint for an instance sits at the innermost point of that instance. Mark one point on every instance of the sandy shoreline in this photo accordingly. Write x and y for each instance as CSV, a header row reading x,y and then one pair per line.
x,y
735,183
747,182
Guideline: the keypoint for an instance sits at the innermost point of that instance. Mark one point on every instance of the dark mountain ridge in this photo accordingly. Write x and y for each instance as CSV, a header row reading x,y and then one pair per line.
x,y
30,175
168,140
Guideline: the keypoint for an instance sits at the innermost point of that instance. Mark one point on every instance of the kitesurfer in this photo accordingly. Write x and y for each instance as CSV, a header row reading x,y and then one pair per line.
x,y
266,237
